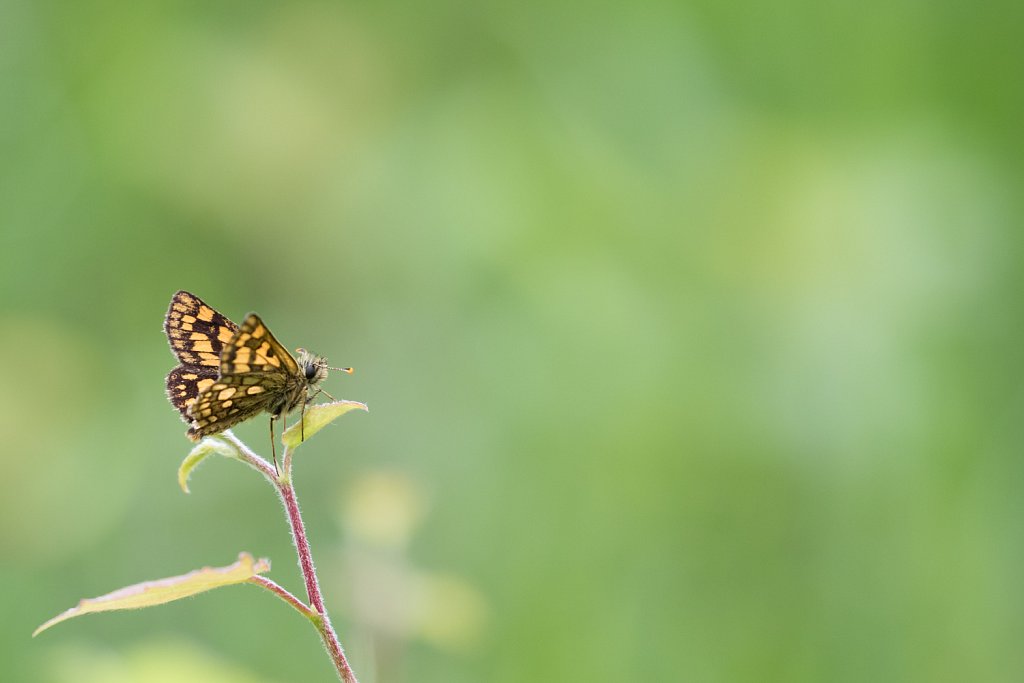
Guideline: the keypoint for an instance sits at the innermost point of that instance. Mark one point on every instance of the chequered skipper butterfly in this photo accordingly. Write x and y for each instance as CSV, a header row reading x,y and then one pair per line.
x,y
230,373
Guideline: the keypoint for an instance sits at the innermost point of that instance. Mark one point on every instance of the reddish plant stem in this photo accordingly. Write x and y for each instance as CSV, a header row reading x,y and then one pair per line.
x,y
316,601
250,458
284,594
302,547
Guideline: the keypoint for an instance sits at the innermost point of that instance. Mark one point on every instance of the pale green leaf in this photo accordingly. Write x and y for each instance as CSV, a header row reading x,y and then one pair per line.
x,y
317,417
150,593
206,447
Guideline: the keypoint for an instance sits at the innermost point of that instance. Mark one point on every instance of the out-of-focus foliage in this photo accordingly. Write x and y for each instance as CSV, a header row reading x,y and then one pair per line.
x,y
691,328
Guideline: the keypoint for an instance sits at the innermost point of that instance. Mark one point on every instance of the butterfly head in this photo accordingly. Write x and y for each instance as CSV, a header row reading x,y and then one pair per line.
x,y
312,366
315,367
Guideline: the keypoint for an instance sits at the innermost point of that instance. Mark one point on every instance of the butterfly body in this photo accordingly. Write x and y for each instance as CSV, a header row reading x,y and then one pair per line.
x,y
230,373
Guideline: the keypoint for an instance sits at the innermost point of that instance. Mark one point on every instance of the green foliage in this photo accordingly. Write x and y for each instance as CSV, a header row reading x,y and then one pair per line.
x,y
696,323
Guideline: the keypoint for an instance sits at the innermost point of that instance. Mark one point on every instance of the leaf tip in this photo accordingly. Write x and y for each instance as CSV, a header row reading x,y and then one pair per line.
x,y
63,616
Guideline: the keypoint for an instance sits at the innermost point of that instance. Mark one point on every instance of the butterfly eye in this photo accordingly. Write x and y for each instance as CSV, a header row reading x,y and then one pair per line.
x,y
311,371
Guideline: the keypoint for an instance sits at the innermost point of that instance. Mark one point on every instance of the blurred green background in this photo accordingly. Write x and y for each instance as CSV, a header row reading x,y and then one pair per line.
x,y
690,334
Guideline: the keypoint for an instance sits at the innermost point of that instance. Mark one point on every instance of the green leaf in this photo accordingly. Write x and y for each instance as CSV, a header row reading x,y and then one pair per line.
x,y
150,593
208,446
317,417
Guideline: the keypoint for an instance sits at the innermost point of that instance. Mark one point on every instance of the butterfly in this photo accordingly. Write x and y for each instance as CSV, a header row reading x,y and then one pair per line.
x,y
230,373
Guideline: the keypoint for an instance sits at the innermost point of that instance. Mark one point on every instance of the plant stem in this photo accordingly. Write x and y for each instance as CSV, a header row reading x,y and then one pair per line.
x,y
315,612
250,458
282,593
287,492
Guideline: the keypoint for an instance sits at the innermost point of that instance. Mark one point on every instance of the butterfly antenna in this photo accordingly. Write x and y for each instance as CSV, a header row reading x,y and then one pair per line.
x,y
347,370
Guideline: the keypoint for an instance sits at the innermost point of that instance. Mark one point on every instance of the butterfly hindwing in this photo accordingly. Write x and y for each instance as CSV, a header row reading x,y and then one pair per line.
x,y
197,333
231,399
185,383
254,349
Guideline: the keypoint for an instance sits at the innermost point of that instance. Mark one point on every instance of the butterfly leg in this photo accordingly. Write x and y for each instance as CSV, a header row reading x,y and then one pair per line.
x,y
273,447
320,390
302,421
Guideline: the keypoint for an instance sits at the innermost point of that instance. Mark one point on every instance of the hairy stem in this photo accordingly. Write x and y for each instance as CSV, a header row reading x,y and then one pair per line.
x,y
282,593
249,457
291,505
287,492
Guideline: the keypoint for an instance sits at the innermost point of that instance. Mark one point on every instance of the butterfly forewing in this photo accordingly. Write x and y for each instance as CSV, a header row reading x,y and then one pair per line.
x,y
254,349
196,332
